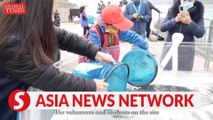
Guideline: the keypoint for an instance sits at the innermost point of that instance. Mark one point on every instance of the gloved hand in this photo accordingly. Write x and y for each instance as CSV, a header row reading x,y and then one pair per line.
x,y
104,58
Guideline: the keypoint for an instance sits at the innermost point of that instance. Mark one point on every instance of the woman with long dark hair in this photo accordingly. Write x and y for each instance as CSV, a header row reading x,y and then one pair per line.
x,y
190,23
28,44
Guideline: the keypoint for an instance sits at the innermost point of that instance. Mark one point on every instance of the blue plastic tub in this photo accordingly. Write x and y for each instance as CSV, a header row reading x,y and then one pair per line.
x,y
116,75
143,67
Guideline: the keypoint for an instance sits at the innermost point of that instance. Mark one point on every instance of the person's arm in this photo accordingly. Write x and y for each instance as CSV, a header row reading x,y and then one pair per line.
x,y
127,13
133,38
153,7
73,43
84,17
147,15
197,29
168,23
80,45
94,37
45,77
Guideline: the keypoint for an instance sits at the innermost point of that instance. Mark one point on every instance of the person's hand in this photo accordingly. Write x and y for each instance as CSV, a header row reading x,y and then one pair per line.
x,y
135,15
186,19
100,85
178,18
104,58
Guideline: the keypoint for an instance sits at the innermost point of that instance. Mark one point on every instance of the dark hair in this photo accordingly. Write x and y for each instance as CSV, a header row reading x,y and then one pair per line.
x,y
35,30
196,15
82,9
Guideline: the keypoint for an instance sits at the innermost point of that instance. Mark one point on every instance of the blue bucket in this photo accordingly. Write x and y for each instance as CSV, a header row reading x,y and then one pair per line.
x,y
91,20
143,67
116,75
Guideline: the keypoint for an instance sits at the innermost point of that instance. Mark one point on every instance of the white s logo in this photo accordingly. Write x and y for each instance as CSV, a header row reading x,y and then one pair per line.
x,y
19,100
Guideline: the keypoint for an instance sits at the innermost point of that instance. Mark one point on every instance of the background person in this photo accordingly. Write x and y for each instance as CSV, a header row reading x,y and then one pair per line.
x,y
190,24
101,6
84,20
139,13
57,23
57,19
151,7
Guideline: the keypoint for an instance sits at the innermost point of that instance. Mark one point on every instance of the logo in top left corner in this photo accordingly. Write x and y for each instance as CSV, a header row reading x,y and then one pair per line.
x,y
15,8
19,100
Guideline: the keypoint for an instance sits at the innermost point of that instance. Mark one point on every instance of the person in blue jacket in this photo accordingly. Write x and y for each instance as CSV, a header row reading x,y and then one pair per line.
x,y
138,12
112,27
190,24
84,20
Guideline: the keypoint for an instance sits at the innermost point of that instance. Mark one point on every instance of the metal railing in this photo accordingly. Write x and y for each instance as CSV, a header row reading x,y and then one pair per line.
x,y
207,51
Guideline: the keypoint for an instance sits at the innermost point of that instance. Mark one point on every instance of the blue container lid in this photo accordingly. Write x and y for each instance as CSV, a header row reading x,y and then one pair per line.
x,y
143,67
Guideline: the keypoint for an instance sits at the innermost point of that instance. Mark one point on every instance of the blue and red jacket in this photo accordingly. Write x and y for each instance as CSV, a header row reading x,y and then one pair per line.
x,y
113,48
125,36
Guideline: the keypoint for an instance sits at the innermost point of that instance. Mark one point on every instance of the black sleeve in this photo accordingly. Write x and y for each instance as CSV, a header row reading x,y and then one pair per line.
x,y
151,6
45,77
73,43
